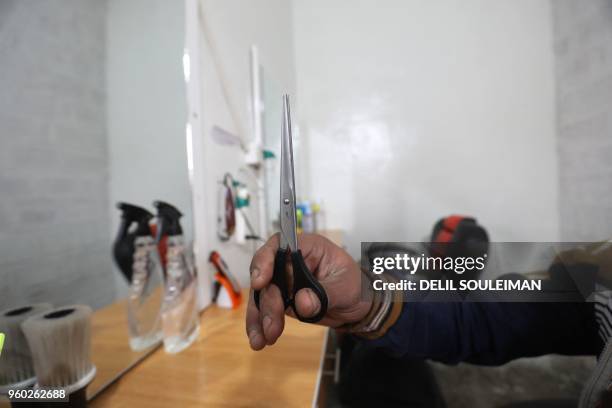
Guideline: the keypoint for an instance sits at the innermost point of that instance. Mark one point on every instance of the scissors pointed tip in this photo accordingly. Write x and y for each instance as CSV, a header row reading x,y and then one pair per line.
x,y
286,107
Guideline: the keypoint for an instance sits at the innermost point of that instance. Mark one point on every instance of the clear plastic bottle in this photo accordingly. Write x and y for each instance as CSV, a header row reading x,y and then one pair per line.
x,y
145,295
180,320
136,255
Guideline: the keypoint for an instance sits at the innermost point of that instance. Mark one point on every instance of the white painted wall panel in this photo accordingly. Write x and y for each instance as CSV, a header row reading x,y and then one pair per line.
x,y
411,110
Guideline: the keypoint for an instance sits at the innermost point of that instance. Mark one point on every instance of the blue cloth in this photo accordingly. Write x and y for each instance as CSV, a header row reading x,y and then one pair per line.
x,y
491,333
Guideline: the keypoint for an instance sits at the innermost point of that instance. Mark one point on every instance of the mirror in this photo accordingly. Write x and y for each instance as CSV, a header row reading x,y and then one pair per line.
x,y
92,112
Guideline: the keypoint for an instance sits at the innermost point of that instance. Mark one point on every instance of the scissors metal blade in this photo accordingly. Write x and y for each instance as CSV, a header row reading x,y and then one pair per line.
x,y
288,222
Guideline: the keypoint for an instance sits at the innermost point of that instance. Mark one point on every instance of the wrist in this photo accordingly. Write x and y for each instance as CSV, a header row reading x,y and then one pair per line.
x,y
381,310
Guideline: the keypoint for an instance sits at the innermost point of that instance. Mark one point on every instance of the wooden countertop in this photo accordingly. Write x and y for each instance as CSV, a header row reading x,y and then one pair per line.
x,y
110,351
220,369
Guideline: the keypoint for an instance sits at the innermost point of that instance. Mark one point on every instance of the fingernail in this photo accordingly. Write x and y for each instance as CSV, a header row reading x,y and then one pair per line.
x,y
253,337
315,305
255,273
267,321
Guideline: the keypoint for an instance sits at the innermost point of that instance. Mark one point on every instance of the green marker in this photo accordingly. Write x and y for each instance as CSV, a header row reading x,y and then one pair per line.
x,y
1,342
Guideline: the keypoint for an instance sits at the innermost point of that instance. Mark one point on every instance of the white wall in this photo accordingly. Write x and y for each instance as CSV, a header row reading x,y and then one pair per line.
x,y
233,26
584,98
411,110
146,107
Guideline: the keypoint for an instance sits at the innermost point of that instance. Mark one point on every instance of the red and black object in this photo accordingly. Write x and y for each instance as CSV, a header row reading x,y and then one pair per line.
x,y
226,220
459,236
224,278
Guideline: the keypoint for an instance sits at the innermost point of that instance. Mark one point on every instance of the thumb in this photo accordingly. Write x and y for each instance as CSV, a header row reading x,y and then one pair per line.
x,y
307,303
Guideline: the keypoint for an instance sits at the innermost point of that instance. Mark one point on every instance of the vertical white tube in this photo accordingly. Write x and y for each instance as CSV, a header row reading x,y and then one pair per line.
x,y
258,110
195,149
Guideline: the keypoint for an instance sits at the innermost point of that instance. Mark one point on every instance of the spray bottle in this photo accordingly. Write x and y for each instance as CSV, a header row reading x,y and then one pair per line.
x,y
180,323
146,274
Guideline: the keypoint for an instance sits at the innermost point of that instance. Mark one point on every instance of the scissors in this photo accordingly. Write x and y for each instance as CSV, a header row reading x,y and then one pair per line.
x,y
288,247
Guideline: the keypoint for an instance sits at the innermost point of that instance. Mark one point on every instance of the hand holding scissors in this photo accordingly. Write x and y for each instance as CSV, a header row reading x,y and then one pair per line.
x,y
300,277
324,285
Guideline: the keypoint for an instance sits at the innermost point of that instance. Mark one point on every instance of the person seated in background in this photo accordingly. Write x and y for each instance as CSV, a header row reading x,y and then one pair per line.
x,y
486,333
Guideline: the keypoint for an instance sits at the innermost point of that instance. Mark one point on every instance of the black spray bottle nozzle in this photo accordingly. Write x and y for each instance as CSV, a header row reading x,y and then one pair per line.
x,y
168,220
123,248
132,213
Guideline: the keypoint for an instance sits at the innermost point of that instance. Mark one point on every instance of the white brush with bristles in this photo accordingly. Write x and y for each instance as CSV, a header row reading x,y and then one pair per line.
x,y
60,342
16,369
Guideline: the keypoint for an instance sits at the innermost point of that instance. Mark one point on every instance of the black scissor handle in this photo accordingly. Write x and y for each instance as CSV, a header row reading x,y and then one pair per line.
x,y
302,279
279,278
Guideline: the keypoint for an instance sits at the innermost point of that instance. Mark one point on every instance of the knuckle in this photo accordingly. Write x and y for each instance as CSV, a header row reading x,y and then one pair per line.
x,y
256,257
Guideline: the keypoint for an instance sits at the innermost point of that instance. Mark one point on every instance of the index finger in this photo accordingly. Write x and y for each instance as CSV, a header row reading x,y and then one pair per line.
x,y
253,325
262,265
